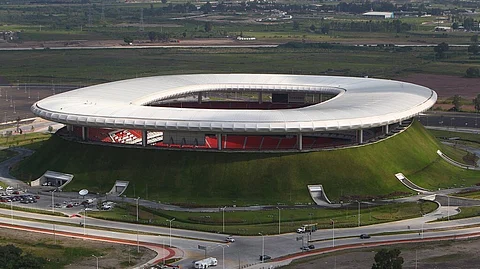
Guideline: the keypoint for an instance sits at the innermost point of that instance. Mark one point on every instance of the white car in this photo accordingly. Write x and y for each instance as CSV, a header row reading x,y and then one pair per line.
x,y
9,188
230,239
1,188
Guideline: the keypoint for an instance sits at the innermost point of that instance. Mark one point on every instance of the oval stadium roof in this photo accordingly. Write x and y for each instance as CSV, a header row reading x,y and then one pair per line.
x,y
359,103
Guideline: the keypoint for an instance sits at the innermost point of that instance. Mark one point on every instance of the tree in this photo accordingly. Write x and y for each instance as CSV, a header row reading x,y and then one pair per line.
x,y
440,50
164,1
472,72
296,25
312,28
474,49
208,26
388,259
128,39
13,258
476,103
457,102
152,36
474,39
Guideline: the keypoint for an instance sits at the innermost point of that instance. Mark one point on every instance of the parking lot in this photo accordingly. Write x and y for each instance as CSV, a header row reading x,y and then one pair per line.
x,y
40,201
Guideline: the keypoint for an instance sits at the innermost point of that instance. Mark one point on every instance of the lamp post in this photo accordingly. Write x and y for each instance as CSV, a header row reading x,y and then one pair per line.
x,y
11,209
263,246
333,232
448,207
223,254
358,213
138,243
170,220
84,219
278,220
223,219
96,258
422,230
53,201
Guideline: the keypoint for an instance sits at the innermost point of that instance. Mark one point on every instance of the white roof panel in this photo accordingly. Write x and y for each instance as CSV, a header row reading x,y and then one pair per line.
x,y
360,103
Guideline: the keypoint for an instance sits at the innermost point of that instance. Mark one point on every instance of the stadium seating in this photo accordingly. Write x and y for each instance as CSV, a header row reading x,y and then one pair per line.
x,y
98,134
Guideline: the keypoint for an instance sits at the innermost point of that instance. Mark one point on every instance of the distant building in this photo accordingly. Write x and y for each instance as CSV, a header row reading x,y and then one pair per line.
x,y
443,29
379,15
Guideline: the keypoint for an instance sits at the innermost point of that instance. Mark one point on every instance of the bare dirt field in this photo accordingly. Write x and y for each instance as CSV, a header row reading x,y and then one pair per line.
x,y
446,86
440,255
111,255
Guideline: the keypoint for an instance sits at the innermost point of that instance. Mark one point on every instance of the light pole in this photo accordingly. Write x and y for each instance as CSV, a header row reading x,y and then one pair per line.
x,y
223,255
358,213
96,258
448,207
278,220
84,219
422,230
138,243
263,247
53,201
333,232
170,220
223,219
11,209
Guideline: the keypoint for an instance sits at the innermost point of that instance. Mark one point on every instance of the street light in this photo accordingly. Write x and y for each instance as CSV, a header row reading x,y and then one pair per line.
x,y
96,258
263,246
53,201
138,243
333,232
223,254
278,220
11,209
84,219
170,220
358,213
223,218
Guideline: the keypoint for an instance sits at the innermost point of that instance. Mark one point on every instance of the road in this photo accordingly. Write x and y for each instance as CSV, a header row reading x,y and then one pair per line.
x,y
465,122
245,250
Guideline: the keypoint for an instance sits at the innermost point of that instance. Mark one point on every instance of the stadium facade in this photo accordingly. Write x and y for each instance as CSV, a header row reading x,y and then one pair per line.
x,y
237,112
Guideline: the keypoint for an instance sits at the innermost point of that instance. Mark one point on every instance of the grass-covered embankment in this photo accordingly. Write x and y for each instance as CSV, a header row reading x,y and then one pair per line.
x,y
250,178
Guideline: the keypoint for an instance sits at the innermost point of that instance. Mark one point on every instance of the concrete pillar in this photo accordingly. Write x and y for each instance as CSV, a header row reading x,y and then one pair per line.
x,y
144,138
219,141
386,129
260,97
300,142
200,97
360,136
69,128
84,133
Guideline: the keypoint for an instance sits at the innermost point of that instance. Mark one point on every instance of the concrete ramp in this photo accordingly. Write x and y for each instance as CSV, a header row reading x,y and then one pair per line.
x,y
410,184
118,188
53,179
318,194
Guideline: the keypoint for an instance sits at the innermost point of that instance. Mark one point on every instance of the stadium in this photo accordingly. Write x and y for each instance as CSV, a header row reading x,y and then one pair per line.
x,y
237,112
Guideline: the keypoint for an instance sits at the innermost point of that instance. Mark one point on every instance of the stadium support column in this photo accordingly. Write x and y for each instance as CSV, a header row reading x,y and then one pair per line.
x,y
385,129
219,141
360,136
144,138
299,141
260,97
84,133
69,128
200,97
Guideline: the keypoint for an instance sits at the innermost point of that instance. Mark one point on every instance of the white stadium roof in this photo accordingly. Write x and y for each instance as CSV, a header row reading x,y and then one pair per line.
x,y
360,103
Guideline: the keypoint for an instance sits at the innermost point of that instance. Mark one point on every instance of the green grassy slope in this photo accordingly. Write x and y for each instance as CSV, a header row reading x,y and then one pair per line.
x,y
249,178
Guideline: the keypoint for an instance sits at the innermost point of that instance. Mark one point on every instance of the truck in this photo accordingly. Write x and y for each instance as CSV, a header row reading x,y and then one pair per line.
x,y
205,263
307,228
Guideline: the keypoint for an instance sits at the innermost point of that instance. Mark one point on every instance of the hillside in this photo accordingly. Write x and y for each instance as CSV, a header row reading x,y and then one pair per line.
x,y
250,178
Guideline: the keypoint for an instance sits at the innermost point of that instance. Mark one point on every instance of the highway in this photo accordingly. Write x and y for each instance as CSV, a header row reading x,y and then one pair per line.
x,y
246,250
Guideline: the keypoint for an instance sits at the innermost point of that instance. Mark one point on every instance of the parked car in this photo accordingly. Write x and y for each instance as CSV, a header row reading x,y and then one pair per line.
x,y
364,236
311,246
265,257
304,248
230,239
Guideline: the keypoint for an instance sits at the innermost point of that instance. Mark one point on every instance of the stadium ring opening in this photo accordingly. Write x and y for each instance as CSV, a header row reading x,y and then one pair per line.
x,y
237,112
